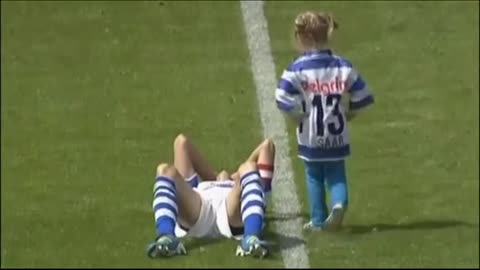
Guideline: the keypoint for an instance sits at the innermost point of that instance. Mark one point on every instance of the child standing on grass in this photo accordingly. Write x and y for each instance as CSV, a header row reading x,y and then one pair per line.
x,y
311,91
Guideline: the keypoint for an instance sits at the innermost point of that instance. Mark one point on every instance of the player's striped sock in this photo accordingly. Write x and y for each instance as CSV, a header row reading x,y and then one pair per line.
x,y
165,205
266,172
252,203
193,180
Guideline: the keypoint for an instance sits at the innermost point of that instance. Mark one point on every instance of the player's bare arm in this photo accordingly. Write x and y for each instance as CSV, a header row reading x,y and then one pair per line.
x,y
189,161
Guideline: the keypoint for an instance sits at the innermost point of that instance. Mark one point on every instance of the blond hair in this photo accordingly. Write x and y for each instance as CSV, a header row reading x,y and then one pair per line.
x,y
314,29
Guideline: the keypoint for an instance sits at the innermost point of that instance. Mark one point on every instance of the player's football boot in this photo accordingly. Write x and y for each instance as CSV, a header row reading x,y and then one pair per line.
x,y
165,246
252,246
334,220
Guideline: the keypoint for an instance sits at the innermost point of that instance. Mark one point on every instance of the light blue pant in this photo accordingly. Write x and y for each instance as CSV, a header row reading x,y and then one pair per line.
x,y
333,173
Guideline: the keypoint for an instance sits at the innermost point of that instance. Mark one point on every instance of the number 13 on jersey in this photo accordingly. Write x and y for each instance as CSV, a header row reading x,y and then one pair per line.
x,y
326,115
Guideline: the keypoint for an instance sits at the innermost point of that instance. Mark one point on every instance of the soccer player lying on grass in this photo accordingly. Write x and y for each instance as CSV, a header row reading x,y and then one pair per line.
x,y
192,199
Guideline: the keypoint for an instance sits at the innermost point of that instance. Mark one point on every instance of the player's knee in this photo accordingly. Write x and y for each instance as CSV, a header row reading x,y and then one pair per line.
x,y
165,169
247,167
180,141
269,144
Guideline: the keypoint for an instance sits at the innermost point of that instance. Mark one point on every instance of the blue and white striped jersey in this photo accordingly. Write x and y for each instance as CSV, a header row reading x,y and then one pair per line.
x,y
317,81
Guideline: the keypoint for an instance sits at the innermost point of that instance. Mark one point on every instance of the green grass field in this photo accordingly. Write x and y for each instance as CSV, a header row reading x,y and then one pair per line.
x,y
93,94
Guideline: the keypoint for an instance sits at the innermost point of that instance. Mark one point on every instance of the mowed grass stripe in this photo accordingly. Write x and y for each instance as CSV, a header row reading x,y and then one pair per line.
x,y
413,174
93,94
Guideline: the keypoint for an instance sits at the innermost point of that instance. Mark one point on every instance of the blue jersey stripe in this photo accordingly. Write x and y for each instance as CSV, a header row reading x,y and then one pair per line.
x,y
322,153
284,106
288,87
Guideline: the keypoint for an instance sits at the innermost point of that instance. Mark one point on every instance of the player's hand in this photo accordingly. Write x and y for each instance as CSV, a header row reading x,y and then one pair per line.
x,y
223,176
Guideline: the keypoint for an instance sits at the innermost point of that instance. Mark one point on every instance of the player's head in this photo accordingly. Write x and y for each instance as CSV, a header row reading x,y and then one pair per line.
x,y
313,30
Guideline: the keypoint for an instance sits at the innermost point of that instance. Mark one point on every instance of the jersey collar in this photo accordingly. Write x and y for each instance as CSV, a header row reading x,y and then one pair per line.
x,y
317,52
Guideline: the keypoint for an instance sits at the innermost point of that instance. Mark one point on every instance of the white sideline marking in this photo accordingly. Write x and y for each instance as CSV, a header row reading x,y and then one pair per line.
x,y
284,195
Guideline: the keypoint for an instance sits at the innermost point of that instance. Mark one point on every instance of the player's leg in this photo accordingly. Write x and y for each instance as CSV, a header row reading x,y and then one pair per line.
x,y
268,149
264,156
174,201
265,163
233,204
316,194
190,162
246,205
337,184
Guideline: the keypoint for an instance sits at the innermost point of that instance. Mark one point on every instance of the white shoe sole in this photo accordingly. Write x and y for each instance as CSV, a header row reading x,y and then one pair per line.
x,y
257,251
334,220
310,227
159,250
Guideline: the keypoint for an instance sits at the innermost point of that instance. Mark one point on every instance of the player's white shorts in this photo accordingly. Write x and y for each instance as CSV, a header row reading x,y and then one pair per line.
x,y
213,219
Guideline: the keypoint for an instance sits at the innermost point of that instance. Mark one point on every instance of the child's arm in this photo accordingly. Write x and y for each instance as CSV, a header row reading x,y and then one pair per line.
x,y
289,96
360,96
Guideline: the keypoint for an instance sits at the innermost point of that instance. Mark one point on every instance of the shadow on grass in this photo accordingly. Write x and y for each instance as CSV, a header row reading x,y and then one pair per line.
x,y
420,225
378,227
278,241
281,242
